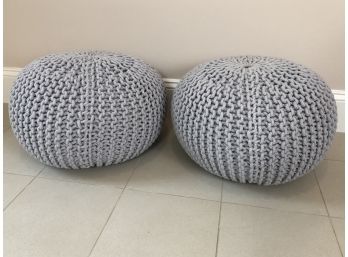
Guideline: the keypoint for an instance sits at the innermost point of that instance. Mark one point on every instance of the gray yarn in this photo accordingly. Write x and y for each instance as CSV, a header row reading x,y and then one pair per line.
x,y
254,119
85,109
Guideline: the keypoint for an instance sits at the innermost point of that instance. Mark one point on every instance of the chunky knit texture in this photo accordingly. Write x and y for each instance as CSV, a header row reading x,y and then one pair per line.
x,y
79,110
254,119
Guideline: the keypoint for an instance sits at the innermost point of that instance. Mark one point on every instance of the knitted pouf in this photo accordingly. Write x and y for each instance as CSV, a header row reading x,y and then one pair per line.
x,y
254,119
86,109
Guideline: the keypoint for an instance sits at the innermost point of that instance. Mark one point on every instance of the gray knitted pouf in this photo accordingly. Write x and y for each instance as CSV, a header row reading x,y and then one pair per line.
x,y
86,109
254,119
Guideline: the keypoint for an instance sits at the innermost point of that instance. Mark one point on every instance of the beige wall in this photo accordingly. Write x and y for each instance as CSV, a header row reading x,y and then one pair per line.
x,y
175,35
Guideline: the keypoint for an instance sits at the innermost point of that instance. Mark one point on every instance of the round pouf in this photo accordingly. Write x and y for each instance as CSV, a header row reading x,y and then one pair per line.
x,y
86,109
254,119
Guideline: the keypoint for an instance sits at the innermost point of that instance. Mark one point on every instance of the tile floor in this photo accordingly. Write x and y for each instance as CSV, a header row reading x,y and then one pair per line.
x,y
163,204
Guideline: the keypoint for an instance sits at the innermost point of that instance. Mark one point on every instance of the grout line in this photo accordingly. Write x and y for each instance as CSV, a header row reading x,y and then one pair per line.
x,y
30,182
280,210
80,183
331,160
335,217
112,211
327,210
238,204
106,222
182,196
218,231
321,192
17,174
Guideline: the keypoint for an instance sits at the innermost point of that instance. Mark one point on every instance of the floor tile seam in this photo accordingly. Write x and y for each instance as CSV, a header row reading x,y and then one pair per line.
x,y
23,189
112,211
232,203
17,174
336,217
276,209
332,160
219,221
81,183
168,194
327,210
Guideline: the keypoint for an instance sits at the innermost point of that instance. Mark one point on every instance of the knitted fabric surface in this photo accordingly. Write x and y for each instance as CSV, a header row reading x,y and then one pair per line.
x,y
254,119
86,109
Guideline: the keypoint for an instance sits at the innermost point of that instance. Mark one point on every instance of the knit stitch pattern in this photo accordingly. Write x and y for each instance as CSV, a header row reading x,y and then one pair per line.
x,y
86,109
253,119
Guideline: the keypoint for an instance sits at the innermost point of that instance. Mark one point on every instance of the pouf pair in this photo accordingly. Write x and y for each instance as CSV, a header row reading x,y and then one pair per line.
x,y
248,119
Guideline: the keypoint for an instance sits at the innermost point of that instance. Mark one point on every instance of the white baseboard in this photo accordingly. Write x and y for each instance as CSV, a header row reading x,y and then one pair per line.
x,y
340,103
10,74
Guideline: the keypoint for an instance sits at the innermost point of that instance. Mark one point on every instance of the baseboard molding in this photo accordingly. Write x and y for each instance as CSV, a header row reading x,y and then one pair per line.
x,y
10,74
